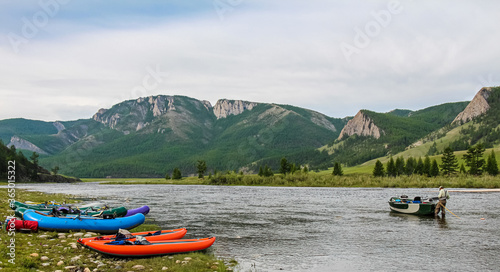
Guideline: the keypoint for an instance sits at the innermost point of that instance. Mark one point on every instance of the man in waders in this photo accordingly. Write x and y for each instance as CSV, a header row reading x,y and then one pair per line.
x,y
443,196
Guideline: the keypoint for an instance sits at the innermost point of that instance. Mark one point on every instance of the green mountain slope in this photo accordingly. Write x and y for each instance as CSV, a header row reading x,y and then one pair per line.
x,y
398,130
148,137
151,136
484,129
20,126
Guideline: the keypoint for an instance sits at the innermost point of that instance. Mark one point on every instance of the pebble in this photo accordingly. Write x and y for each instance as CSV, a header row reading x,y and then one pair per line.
x,y
87,235
86,269
78,234
43,236
188,259
34,255
70,267
138,267
60,263
45,264
58,271
164,268
44,258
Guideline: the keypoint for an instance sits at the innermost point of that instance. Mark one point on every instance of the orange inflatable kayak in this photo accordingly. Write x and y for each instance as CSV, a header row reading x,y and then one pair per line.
x,y
149,235
126,248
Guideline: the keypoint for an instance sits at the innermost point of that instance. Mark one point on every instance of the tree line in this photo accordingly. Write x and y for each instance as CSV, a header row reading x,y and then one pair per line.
x,y
474,160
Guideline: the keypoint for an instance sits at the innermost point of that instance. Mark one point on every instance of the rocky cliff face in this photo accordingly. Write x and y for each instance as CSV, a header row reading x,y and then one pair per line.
x,y
133,115
361,125
223,108
20,143
478,106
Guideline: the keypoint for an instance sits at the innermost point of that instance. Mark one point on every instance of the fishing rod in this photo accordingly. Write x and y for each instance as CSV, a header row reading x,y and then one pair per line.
x,y
451,211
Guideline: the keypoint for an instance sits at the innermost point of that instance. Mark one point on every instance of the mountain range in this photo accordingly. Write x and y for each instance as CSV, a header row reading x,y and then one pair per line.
x,y
149,137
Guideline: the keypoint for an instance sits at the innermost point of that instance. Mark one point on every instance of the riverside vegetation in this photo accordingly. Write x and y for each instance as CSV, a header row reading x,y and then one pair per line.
x,y
51,251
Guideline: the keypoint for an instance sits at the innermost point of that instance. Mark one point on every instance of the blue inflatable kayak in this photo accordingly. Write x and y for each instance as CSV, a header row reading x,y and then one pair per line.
x,y
99,225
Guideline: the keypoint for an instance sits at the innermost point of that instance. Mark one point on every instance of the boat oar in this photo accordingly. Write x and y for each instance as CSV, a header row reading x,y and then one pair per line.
x,y
450,211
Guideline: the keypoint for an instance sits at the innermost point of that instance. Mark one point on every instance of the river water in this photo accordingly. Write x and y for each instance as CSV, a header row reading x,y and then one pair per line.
x,y
317,229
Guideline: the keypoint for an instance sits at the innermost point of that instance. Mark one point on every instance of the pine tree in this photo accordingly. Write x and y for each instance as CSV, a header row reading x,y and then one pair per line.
x,y
426,170
268,172
378,171
432,150
492,165
400,166
411,164
449,162
284,166
474,159
176,174
201,168
34,169
337,169
261,171
434,171
55,170
419,168
391,168
462,169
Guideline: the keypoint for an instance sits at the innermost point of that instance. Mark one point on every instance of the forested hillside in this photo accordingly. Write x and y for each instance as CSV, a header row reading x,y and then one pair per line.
x,y
399,129
149,137
14,166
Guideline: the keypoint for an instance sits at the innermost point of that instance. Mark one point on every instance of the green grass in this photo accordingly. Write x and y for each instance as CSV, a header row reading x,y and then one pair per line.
x,y
120,181
356,180
61,249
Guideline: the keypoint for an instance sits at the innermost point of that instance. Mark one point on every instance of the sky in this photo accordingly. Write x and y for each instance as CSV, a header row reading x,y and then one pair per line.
x,y
66,59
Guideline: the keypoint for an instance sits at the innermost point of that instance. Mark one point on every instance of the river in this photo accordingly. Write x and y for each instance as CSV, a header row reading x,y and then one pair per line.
x,y
317,229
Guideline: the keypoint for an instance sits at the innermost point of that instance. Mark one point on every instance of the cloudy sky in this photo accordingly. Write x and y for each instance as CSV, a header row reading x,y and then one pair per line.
x,y
65,59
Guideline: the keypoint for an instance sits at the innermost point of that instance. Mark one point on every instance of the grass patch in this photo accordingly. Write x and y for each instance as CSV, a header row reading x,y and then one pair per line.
x,y
355,180
122,181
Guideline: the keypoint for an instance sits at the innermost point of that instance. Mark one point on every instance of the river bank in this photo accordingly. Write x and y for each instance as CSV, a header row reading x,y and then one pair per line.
x,y
51,251
320,180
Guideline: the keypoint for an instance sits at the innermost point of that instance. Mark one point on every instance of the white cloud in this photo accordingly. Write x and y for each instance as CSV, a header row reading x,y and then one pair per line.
x,y
282,52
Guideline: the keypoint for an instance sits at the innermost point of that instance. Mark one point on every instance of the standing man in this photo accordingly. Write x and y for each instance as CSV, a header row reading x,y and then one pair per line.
x,y
443,196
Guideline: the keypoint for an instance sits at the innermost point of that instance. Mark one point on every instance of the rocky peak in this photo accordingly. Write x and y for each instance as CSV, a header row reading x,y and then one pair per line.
x,y
132,114
223,108
59,126
21,143
478,106
361,125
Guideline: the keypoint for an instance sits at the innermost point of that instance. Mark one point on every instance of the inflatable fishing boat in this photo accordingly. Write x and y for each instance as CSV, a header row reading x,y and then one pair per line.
x,y
88,223
143,248
149,235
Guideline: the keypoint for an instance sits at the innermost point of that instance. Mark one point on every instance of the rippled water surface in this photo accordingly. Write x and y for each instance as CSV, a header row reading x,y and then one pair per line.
x,y
318,229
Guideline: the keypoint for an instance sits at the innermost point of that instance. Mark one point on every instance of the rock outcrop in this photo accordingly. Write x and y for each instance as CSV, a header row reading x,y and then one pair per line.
x,y
320,120
141,109
478,106
361,125
20,143
59,126
223,108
